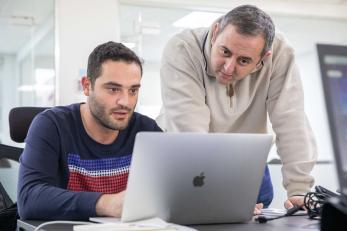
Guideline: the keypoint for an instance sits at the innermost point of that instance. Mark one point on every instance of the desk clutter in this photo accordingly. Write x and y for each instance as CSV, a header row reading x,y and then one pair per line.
x,y
313,203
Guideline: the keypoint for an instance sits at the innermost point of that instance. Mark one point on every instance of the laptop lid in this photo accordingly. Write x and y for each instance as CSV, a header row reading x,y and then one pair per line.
x,y
195,178
333,65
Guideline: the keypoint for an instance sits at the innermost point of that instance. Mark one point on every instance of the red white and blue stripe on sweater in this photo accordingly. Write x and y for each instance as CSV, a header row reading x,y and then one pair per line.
x,y
108,175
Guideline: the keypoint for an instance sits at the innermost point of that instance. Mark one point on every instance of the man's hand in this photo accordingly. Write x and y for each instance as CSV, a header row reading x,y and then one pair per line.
x,y
257,209
110,205
294,200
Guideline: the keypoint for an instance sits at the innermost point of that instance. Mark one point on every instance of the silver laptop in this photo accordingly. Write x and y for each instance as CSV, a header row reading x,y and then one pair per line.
x,y
195,178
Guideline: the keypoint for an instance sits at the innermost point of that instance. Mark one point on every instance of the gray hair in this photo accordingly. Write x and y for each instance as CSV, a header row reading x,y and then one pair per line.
x,y
252,21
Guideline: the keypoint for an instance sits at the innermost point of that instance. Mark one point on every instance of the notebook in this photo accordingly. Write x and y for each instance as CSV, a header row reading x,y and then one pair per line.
x,y
195,178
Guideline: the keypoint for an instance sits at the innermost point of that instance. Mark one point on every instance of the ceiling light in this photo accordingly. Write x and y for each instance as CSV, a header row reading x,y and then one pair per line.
x,y
197,19
22,20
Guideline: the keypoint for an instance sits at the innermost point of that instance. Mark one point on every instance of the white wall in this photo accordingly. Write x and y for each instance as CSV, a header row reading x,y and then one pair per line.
x,y
149,102
80,26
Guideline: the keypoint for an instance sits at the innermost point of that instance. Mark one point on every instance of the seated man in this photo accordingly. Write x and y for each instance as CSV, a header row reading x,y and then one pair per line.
x,y
76,160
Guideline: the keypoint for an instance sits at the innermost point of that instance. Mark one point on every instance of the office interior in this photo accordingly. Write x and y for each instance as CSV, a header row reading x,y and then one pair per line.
x,y
44,46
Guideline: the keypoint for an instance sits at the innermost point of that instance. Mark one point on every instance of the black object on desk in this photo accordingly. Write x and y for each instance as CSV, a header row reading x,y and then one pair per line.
x,y
334,215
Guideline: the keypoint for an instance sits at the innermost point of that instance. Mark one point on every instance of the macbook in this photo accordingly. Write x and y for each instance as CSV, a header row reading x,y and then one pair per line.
x,y
195,178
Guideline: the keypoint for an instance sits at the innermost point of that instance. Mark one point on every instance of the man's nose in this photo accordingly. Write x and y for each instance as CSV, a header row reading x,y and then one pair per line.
x,y
229,65
123,98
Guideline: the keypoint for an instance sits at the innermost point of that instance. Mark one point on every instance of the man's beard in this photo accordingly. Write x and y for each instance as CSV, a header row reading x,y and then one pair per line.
x,y
99,112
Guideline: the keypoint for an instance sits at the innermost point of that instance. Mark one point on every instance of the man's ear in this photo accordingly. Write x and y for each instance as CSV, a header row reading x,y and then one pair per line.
x,y
267,55
86,85
215,30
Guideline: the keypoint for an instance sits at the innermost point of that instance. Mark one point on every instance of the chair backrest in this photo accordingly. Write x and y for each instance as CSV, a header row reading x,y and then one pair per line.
x,y
20,119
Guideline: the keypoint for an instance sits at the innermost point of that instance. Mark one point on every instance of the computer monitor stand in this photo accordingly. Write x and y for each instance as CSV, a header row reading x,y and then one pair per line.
x,y
334,214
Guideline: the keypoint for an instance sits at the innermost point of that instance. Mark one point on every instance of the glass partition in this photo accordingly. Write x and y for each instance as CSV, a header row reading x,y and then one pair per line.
x,y
27,73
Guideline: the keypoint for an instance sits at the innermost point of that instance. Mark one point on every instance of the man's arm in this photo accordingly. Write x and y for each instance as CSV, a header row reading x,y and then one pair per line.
x,y
42,190
294,138
183,92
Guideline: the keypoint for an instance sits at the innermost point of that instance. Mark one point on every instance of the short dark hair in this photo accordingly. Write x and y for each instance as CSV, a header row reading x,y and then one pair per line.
x,y
250,20
109,51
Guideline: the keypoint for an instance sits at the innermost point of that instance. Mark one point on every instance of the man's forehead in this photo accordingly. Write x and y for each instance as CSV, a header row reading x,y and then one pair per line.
x,y
241,44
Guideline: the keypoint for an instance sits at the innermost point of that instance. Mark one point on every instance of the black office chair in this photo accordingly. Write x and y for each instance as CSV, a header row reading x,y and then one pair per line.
x,y
19,120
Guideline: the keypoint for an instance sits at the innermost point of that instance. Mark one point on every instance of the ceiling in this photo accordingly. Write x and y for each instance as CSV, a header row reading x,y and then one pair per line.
x,y
30,23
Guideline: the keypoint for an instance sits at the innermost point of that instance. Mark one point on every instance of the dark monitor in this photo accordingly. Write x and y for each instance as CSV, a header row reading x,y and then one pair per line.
x,y
333,66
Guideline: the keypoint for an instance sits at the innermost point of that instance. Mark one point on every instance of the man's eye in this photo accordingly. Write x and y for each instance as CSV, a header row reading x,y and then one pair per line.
x,y
224,52
243,61
114,89
134,91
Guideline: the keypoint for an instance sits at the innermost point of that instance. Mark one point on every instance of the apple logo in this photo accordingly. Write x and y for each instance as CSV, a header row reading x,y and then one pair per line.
x,y
198,181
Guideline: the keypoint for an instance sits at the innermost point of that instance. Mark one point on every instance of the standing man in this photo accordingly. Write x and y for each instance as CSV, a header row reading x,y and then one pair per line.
x,y
228,78
76,160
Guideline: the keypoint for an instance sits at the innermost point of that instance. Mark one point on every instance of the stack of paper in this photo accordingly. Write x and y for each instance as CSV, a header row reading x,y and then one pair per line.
x,y
154,224
272,212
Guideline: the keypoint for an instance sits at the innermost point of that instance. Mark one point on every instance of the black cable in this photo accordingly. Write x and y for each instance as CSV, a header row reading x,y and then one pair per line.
x,y
314,201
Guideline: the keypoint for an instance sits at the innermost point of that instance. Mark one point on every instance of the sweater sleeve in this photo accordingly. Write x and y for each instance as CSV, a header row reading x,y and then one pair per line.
x,y
42,192
294,137
183,94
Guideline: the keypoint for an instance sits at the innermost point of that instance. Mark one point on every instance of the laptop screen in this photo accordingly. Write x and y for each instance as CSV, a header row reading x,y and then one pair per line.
x,y
333,66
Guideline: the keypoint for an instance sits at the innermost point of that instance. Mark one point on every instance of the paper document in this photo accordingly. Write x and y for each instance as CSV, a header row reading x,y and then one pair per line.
x,y
105,219
272,212
114,224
